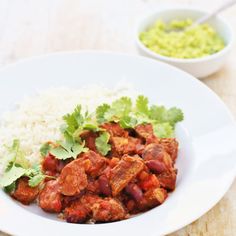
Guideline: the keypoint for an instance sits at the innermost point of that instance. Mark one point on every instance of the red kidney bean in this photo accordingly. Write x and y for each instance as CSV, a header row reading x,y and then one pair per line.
x,y
134,191
156,166
104,185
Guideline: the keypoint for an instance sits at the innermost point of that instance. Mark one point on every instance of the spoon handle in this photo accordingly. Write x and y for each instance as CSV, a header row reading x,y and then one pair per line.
x,y
224,6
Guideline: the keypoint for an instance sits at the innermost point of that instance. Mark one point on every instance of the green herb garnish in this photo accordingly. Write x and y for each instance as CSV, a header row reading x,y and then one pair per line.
x,y
129,116
102,144
17,167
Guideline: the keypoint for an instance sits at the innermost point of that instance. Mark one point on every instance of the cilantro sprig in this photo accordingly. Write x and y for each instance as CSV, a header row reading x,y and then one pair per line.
x,y
129,115
122,111
17,167
72,145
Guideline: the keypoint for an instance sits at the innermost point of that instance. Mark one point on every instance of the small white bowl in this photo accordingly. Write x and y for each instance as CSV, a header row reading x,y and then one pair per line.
x,y
198,67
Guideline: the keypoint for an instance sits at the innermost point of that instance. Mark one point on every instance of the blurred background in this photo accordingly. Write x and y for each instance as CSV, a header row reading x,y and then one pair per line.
x,y
31,28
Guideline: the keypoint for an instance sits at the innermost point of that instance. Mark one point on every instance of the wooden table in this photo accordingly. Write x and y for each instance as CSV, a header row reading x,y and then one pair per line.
x,y
29,28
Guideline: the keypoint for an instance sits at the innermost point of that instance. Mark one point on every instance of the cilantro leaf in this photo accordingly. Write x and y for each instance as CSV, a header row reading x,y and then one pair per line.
x,y
157,113
122,105
34,170
127,122
11,176
162,115
60,153
68,149
16,168
14,157
76,123
36,180
101,143
73,120
142,104
35,175
174,115
44,149
163,130
119,108
100,112
91,126
10,188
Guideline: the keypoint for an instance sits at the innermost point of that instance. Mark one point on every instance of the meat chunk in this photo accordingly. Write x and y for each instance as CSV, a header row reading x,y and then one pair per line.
x,y
144,130
52,166
118,146
73,178
107,210
93,186
90,138
134,146
95,208
124,172
171,146
24,193
152,198
50,199
89,199
114,129
113,162
157,152
67,200
76,212
130,145
98,163
150,182
168,179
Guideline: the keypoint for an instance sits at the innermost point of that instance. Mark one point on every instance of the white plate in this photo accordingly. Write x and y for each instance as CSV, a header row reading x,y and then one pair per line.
x,y
206,161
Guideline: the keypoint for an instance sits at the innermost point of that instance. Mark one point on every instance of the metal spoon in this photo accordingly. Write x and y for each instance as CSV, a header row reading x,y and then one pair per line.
x,y
208,16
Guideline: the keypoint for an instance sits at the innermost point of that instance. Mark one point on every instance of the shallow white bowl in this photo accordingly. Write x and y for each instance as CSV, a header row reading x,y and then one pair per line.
x,y
199,67
207,157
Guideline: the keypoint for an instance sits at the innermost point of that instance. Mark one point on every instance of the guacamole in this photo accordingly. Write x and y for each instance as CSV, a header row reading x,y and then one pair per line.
x,y
193,42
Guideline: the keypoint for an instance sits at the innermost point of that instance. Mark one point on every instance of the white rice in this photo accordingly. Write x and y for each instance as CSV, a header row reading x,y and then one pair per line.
x,y
38,119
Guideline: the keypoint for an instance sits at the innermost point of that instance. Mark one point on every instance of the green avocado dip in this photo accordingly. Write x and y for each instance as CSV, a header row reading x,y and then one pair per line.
x,y
193,42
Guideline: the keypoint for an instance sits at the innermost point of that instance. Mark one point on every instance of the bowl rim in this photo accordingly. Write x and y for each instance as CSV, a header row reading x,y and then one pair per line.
x,y
62,54
183,60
